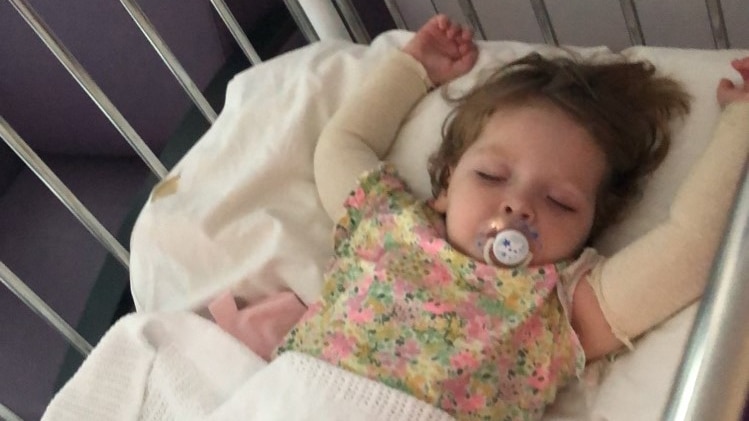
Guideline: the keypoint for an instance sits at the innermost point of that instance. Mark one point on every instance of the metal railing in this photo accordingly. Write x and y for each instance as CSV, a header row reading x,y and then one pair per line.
x,y
58,188
713,379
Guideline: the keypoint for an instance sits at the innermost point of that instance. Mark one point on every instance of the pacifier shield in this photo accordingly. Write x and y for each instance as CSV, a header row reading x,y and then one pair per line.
x,y
510,247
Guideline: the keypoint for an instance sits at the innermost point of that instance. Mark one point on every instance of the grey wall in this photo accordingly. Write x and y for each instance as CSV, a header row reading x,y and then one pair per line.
x,y
674,23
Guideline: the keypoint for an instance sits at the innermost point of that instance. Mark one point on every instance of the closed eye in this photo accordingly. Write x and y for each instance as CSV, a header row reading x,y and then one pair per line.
x,y
489,177
561,205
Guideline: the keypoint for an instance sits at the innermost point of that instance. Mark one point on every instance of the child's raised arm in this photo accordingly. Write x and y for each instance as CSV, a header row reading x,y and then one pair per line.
x,y
668,268
362,130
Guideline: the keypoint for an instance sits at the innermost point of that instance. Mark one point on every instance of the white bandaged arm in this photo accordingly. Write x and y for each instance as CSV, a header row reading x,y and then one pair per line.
x,y
667,269
362,130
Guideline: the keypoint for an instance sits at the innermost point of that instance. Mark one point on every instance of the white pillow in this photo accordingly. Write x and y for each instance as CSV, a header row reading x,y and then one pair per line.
x,y
647,374
240,210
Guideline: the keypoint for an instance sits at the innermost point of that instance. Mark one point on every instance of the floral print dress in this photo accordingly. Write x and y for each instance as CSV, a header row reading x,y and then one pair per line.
x,y
403,307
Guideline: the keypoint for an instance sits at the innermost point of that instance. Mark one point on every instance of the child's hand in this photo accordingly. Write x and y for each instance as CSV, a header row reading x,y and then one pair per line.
x,y
728,92
445,49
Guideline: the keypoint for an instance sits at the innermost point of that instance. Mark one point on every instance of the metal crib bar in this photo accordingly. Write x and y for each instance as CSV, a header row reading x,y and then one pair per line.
x,y
35,303
89,86
32,160
395,13
8,415
714,374
472,17
544,21
169,59
302,21
236,31
717,24
632,20
353,21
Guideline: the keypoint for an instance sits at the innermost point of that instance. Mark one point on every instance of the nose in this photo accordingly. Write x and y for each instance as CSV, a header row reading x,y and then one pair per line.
x,y
517,207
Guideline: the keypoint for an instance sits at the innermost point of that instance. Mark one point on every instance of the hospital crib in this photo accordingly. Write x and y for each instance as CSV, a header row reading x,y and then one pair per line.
x,y
714,373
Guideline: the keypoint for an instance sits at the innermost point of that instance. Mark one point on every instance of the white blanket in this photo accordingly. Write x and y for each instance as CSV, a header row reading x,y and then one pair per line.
x,y
178,366
240,212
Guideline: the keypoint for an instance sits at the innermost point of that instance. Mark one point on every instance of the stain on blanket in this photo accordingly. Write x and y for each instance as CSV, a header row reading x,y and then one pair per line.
x,y
166,187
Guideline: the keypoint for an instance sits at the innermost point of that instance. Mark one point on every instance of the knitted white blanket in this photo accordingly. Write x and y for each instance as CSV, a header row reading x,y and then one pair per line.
x,y
179,366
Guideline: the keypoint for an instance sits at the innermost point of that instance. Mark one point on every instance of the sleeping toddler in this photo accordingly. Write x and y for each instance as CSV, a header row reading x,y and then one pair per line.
x,y
486,299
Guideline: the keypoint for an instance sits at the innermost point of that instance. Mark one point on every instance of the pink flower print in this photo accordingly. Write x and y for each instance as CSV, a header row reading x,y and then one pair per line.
x,y
437,308
364,284
438,276
361,315
464,360
409,350
458,389
540,379
371,254
470,403
530,330
338,347
357,311
550,278
478,330
431,245
356,199
312,310
401,288
392,182
486,272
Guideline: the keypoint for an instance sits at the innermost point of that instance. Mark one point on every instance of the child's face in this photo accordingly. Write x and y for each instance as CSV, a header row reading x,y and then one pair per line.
x,y
532,166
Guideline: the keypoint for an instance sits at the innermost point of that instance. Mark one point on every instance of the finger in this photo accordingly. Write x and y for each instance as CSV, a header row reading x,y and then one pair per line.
x,y
442,21
725,84
466,34
740,62
451,31
467,60
742,66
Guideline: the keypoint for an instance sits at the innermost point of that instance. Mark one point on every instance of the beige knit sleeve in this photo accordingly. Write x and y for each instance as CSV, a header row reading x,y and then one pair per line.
x,y
667,269
362,130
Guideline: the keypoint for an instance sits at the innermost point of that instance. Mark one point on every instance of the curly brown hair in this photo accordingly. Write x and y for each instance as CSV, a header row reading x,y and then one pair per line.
x,y
625,106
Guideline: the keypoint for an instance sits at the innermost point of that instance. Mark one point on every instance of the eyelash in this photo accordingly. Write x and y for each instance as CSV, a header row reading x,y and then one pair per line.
x,y
561,205
489,177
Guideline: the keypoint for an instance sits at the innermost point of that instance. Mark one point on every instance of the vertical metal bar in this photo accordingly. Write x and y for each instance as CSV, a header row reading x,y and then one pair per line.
x,y
302,21
434,7
714,373
717,24
544,21
632,20
473,18
353,21
236,31
89,86
395,13
59,189
169,59
8,415
25,294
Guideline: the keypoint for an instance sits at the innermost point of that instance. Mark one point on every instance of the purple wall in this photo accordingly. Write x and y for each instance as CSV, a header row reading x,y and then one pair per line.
x,y
52,113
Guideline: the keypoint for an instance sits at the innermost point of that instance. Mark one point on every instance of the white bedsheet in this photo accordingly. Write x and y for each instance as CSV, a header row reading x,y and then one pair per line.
x,y
241,212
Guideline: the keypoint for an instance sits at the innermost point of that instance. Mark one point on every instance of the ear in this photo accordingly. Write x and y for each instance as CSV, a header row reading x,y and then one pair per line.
x,y
440,203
